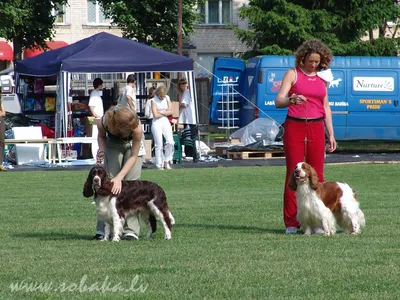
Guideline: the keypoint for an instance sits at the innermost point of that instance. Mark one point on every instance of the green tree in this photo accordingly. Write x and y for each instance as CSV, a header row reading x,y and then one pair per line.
x,y
280,26
28,23
153,22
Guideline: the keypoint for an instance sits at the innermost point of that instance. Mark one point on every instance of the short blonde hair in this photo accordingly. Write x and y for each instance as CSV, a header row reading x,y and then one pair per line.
x,y
159,90
314,46
121,119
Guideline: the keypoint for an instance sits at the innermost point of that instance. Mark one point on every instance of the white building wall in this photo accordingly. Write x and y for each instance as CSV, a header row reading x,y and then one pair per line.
x,y
212,40
76,27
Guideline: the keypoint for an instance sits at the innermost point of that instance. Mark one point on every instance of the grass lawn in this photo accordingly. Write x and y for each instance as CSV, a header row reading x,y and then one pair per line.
x,y
228,242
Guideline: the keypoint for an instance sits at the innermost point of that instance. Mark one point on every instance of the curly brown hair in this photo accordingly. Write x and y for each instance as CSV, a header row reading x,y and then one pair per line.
x,y
314,46
120,120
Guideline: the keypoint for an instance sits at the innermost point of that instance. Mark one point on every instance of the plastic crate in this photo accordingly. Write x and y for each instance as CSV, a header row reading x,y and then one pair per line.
x,y
177,158
69,154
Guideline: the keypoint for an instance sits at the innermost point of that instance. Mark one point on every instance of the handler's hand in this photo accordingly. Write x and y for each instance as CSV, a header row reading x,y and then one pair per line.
x,y
332,144
99,157
117,186
300,99
297,99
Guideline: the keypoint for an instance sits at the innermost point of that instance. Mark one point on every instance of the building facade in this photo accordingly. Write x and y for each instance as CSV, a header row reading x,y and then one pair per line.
x,y
212,36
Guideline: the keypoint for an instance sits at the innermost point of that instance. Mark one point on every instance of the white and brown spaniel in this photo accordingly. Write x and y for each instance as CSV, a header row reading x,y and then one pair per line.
x,y
324,204
137,196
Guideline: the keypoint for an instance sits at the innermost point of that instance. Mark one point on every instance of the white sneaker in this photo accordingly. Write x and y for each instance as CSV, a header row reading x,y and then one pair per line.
x,y
159,168
318,230
167,166
291,230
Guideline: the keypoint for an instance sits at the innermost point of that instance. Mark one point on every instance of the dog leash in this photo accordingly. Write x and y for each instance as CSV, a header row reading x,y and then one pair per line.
x,y
105,160
306,134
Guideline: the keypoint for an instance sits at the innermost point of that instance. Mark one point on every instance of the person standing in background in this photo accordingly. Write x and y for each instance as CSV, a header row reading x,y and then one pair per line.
x,y
2,133
96,109
148,113
305,94
187,118
128,96
162,109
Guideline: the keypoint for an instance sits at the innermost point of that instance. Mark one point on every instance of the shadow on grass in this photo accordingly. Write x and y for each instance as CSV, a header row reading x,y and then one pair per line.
x,y
52,236
57,236
232,227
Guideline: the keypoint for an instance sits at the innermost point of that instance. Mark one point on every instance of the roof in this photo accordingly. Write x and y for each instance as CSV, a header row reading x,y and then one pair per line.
x,y
104,53
51,44
6,52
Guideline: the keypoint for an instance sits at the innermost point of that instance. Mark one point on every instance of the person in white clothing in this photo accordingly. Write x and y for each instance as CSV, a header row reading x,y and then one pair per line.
x,y
96,109
186,106
162,109
187,118
128,97
147,109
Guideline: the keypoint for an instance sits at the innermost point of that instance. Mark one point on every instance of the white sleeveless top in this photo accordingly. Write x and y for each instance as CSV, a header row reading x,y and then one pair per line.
x,y
161,105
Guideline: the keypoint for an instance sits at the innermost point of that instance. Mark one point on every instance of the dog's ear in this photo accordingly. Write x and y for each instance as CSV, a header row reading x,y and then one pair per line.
x,y
88,188
292,184
313,178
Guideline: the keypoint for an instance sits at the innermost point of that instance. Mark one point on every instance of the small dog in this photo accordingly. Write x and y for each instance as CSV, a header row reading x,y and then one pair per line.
x,y
141,196
324,204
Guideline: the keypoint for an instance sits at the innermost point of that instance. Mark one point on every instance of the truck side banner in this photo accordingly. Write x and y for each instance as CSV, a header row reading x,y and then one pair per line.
x,y
363,94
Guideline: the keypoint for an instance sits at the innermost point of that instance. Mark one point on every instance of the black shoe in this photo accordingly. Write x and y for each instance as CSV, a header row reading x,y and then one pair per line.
x,y
129,238
98,237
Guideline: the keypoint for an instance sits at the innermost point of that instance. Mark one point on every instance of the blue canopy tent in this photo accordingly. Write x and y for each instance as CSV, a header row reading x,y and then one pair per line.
x,y
101,53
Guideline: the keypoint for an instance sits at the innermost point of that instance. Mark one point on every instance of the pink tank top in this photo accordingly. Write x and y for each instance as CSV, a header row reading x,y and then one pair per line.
x,y
314,89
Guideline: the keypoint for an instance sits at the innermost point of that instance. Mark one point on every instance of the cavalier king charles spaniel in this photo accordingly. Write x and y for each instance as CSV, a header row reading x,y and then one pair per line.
x,y
324,204
144,197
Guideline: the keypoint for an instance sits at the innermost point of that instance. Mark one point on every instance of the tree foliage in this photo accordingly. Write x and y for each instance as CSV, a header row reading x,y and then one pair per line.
x,y
27,23
154,22
280,26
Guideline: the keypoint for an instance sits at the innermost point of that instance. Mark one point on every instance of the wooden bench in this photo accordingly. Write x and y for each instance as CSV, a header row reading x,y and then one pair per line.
x,y
54,154
71,140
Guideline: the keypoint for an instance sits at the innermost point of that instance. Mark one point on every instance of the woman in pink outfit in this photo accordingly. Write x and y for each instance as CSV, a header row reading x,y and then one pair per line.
x,y
305,95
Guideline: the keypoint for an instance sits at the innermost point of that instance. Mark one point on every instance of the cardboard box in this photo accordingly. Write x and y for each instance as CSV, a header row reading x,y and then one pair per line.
x,y
235,142
175,109
225,142
221,151
147,146
221,142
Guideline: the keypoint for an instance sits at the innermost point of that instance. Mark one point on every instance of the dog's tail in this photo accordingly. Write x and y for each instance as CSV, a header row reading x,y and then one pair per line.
x,y
162,214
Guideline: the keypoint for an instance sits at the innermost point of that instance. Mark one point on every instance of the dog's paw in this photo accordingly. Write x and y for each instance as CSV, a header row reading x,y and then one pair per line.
x,y
308,231
168,236
116,239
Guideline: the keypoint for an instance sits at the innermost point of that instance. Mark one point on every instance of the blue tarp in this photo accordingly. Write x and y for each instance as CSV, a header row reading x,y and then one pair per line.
x,y
103,53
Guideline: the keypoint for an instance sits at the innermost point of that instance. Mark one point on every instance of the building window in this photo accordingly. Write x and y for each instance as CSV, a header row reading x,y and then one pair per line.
x,y
216,12
206,63
96,15
59,13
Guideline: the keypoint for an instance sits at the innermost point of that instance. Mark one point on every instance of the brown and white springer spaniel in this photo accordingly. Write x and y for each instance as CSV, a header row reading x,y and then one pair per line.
x,y
324,204
141,196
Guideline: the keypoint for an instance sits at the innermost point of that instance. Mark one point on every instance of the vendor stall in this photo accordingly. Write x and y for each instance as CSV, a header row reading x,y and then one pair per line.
x,y
100,53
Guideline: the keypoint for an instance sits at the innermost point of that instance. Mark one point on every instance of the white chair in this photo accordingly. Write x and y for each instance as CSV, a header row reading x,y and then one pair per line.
x,y
27,153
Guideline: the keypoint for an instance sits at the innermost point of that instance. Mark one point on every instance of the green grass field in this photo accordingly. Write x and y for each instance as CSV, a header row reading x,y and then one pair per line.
x,y
228,242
